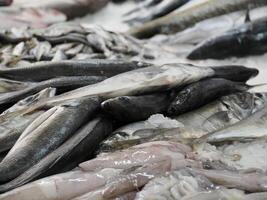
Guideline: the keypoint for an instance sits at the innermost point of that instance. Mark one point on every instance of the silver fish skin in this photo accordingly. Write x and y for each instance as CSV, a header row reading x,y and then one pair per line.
x,y
45,134
12,127
190,14
253,127
76,149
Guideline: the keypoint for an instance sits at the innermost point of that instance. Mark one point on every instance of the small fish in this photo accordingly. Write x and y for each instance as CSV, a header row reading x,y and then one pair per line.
x,y
46,70
250,128
203,92
45,134
136,108
248,39
191,13
76,149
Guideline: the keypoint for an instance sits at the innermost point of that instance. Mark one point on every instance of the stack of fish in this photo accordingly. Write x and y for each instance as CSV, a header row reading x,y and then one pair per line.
x,y
89,114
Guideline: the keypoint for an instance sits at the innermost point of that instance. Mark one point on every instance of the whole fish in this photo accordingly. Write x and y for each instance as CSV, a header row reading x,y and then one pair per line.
x,y
203,92
46,70
252,127
190,14
45,134
76,149
248,39
12,127
136,108
145,80
62,84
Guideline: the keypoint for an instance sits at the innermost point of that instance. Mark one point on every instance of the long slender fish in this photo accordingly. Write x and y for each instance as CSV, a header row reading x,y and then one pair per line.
x,y
62,84
45,134
203,92
12,127
46,70
254,126
136,108
142,81
189,15
248,39
76,149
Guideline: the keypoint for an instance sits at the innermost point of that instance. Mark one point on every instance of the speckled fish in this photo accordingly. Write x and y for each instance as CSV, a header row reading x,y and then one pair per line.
x,y
63,84
45,134
189,14
148,80
136,108
203,92
76,149
46,70
252,127
12,127
248,39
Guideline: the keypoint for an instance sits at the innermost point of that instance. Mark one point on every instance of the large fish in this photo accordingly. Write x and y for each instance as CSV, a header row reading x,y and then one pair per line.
x,y
12,127
76,149
250,128
62,84
47,70
190,14
45,134
249,39
201,93
136,108
147,80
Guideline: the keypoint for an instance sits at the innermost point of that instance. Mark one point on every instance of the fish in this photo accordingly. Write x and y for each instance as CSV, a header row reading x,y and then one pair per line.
x,y
7,85
76,149
221,113
189,14
45,134
175,185
40,71
250,128
63,84
250,181
202,92
248,39
12,127
136,108
151,13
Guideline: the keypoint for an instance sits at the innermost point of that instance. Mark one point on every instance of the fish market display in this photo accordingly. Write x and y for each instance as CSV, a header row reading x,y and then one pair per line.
x,y
89,111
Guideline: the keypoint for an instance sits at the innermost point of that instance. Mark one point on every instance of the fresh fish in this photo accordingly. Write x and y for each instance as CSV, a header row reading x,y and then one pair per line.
x,y
76,149
190,14
62,186
45,134
136,108
46,70
7,85
148,153
159,10
247,39
250,181
12,127
156,128
221,113
174,186
62,84
203,92
252,127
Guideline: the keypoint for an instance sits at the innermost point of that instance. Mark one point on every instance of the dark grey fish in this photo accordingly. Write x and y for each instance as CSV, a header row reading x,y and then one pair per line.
x,y
136,108
63,84
46,70
248,39
203,92
78,148
45,134
12,127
